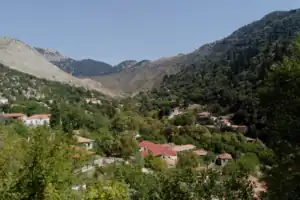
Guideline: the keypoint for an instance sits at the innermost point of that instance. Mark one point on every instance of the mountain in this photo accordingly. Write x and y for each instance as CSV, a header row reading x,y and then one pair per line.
x,y
17,55
273,27
79,68
146,74
230,78
125,64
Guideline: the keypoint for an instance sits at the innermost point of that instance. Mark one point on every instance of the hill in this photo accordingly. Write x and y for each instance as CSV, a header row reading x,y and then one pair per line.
x,y
276,26
79,68
125,64
142,76
17,55
228,78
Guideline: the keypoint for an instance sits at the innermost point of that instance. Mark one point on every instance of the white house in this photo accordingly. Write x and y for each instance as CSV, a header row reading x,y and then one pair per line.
x,y
37,120
3,101
84,142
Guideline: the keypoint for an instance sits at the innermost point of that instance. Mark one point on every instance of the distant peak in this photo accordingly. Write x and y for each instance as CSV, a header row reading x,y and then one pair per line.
x,y
51,55
126,64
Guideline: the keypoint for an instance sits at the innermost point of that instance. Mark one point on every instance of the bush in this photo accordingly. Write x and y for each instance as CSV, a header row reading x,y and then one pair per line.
x,y
188,160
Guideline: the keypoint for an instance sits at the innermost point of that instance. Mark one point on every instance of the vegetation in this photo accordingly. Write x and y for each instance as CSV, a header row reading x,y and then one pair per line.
x,y
256,76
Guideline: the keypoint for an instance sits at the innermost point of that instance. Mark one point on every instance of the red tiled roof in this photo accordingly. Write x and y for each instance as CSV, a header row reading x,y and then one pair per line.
x,y
8,115
225,156
39,116
156,149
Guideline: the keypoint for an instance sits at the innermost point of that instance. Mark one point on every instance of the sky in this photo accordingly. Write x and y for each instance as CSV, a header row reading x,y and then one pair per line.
x,y
117,30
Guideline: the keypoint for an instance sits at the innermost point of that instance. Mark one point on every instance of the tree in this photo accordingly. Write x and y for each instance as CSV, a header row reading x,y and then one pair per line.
x,y
280,97
248,162
107,190
188,160
209,157
55,115
155,163
43,169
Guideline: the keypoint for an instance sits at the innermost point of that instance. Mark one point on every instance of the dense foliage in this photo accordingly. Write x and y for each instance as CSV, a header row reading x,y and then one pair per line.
x,y
254,73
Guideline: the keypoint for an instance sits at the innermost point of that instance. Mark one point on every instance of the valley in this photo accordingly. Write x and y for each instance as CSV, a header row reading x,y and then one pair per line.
x,y
220,122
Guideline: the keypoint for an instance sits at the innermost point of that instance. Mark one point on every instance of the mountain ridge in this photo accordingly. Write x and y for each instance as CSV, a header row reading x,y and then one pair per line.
x,y
152,75
19,56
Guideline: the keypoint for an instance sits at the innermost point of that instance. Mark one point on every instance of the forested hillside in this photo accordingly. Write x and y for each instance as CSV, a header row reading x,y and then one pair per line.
x,y
227,79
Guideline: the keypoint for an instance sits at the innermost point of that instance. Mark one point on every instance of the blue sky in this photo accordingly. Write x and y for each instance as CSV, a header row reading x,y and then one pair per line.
x,y
117,30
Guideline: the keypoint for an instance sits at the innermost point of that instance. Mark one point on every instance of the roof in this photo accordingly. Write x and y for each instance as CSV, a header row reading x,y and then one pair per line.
x,y
239,126
200,152
156,149
39,116
183,147
206,114
250,139
76,132
9,115
82,139
225,156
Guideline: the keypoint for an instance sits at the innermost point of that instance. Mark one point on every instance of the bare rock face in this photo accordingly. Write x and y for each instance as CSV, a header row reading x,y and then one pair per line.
x,y
17,55
51,55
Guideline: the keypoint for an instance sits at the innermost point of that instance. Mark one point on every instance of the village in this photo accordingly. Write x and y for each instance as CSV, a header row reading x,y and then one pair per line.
x,y
168,152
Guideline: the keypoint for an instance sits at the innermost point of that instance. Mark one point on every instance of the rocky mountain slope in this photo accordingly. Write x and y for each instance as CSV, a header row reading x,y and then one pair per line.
x,y
147,74
19,56
126,64
79,68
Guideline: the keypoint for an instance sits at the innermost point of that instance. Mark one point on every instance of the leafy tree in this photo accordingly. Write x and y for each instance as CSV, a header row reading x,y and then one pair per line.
x,y
155,163
43,169
248,162
280,97
209,157
188,160
55,115
107,190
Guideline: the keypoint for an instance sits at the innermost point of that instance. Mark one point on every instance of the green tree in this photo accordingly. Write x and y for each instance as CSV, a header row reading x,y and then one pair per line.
x,y
55,115
248,162
280,97
188,160
107,190
43,169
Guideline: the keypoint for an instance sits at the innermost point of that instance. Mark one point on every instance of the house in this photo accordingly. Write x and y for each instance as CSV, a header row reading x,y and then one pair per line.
x,y
222,159
93,101
37,120
3,101
200,152
18,116
250,139
240,128
84,142
181,148
228,116
204,117
163,151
